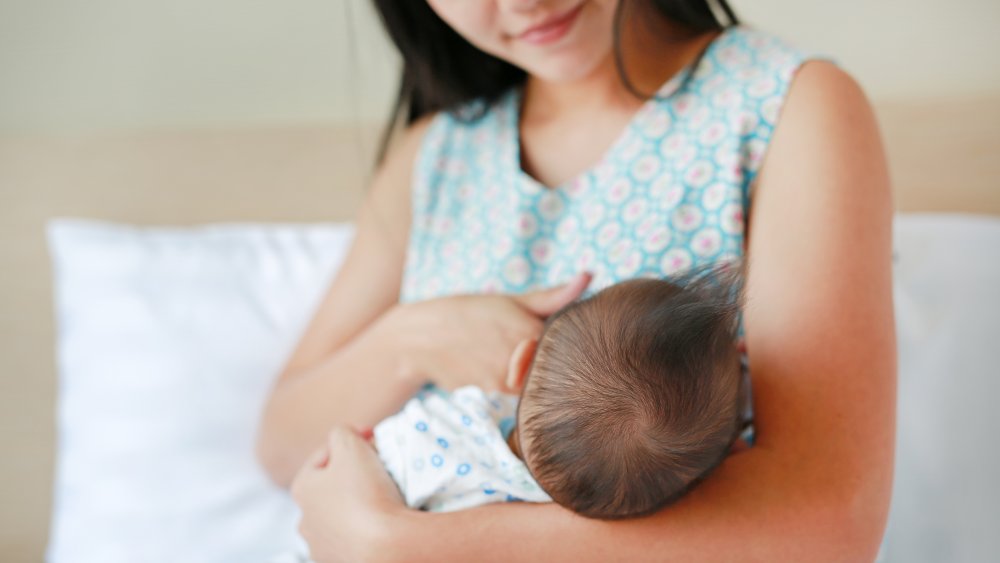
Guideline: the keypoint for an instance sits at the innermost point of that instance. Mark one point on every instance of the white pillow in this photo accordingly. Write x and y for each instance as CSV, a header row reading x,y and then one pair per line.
x,y
168,342
947,293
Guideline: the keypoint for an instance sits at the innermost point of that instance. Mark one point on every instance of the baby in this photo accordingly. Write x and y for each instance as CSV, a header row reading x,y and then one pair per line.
x,y
630,397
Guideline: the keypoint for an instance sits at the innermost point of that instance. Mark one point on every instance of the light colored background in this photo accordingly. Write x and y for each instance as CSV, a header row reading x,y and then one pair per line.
x,y
139,64
188,112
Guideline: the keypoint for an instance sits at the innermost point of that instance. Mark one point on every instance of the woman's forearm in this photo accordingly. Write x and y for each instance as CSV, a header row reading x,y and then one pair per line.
x,y
359,384
775,511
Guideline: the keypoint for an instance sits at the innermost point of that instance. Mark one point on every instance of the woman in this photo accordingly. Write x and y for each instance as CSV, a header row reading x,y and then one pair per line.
x,y
533,151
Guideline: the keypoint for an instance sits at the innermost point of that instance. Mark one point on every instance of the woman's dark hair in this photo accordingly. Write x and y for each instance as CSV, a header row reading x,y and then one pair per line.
x,y
441,70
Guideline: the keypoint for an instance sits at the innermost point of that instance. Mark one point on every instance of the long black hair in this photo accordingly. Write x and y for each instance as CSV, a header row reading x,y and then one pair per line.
x,y
441,70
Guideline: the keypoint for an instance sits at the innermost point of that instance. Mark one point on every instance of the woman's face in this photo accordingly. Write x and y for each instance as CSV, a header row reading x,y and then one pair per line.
x,y
558,40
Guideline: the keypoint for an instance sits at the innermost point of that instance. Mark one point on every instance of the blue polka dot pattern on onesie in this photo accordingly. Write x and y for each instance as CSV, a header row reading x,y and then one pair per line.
x,y
476,467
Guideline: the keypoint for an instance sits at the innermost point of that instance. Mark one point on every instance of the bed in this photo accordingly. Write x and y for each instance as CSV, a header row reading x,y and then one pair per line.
x,y
262,185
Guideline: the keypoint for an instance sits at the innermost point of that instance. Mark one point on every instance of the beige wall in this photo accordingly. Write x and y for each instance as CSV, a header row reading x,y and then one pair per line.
x,y
68,65
900,50
81,66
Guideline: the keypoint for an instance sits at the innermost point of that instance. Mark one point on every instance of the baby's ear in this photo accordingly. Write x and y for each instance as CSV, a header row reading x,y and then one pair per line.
x,y
520,359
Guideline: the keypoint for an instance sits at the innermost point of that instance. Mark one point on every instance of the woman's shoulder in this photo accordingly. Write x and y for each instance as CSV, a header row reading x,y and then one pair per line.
x,y
756,66
771,70
458,135
480,114
846,158
746,46
405,147
390,186
822,96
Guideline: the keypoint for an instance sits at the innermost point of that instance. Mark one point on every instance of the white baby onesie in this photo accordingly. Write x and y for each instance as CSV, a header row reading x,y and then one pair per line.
x,y
448,451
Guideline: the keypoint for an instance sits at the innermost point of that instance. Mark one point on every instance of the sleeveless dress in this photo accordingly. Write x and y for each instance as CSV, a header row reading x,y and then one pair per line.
x,y
671,192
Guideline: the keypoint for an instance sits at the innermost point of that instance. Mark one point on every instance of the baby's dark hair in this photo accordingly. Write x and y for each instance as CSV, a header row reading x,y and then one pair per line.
x,y
635,393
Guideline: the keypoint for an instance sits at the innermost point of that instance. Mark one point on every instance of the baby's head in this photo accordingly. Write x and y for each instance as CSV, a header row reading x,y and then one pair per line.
x,y
632,395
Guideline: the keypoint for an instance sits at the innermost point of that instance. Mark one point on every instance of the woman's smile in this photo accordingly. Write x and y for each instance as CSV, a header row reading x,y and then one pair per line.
x,y
556,40
551,29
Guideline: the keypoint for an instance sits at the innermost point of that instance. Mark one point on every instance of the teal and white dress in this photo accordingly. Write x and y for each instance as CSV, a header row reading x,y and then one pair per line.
x,y
671,193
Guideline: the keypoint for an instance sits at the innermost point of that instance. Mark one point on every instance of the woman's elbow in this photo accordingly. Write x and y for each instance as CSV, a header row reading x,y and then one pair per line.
x,y
271,457
867,518
853,528
268,461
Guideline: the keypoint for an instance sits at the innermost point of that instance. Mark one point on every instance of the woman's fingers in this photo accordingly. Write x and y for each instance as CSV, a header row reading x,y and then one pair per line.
x,y
340,436
345,505
319,458
545,302
315,464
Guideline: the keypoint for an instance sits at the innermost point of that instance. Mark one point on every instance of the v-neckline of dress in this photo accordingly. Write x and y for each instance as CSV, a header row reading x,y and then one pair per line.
x,y
669,88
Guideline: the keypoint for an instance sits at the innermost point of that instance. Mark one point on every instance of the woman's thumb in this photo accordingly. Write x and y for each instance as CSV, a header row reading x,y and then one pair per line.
x,y
544,302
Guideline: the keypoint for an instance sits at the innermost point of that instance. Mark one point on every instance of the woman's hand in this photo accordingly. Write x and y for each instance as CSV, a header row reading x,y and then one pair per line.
x,y
469,339
347,499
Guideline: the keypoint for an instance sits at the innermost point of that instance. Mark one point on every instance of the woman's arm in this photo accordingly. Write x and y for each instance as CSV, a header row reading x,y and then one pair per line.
x,y
820,336
331,376
364,354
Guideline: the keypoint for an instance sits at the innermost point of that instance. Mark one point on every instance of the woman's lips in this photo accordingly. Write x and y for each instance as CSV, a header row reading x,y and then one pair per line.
x,y
552,30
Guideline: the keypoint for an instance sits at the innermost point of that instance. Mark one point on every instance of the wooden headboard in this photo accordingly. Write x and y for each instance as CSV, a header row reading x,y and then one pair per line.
x,y
945,155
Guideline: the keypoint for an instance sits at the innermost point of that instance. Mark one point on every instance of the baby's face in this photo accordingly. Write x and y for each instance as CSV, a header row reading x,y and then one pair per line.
x,y
517,442
521,365
514,438
514,442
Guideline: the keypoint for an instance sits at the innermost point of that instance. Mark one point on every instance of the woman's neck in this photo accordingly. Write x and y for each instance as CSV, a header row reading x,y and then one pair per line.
x,y
603,88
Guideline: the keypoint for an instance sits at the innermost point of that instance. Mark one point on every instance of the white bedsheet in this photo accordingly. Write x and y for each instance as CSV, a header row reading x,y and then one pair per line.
x,y
170,338
946,500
